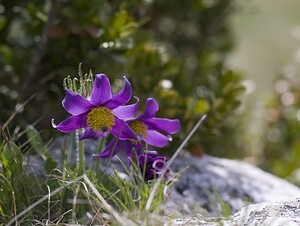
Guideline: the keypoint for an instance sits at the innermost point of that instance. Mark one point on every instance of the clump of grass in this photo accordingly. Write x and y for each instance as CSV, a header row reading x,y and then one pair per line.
x,y
87,199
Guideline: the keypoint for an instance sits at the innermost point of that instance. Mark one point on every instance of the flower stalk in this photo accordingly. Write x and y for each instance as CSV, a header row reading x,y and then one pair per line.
x,y
102,142
81,164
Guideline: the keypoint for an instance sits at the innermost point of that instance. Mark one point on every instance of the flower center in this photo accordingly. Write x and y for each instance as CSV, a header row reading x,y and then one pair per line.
x,y
139,128
100,119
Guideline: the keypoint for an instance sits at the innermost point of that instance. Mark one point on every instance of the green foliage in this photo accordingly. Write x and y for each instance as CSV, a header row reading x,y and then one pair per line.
x,y
72,199
12,187
172,52
11,157
219,104
281,152
61,196
36,143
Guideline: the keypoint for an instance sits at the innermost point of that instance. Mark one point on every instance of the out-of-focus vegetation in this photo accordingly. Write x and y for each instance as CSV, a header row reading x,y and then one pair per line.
x,y
281,148
172,51
266,50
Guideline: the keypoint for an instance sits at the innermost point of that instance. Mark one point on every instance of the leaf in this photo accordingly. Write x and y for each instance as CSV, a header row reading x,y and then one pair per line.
x,y
2,22
128,29
201,106
69,12
120,20
34,138
6,54
50,164
12,159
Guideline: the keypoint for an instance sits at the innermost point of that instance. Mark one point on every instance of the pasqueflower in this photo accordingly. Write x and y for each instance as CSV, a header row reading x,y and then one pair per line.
x,y
101,113
147,129
115,145
152,165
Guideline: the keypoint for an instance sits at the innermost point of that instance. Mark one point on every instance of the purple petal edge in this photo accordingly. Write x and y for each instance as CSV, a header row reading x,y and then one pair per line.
x,y
170,126
101,92
150,110
72,123
127,111
75,104
122,97
156,139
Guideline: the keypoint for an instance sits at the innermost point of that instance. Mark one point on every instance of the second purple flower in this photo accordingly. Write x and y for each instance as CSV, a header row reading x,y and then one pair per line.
x,y
147,129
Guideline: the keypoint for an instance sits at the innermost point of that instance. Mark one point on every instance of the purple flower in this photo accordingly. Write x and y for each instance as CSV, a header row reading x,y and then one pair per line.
x,y
115,145
146,129
152,165
101,113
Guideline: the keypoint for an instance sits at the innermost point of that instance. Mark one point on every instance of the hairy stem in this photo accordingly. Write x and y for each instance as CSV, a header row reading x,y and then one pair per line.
x,y
100,150
80,149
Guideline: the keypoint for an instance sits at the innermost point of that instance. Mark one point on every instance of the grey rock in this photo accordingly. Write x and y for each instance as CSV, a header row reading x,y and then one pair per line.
x,y
197,220
267,213
221,185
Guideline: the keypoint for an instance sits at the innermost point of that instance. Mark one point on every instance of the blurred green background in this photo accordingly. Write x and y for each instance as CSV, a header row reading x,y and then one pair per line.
x,y
237,61
267,38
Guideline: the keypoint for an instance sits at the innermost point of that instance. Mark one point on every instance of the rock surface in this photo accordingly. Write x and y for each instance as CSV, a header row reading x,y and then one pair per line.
x,y
216,184
267,213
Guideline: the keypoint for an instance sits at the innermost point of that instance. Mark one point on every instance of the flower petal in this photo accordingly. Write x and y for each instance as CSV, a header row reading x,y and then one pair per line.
x,y
121,130
129,147
111,149
156,139
167,125
75,104
127,111
151,153
150,174
122,97
90,133
144,160
101,92
72,123
151,109
159,163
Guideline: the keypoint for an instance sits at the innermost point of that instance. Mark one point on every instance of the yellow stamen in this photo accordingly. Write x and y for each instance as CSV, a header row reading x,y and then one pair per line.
x,y
139,128
100,119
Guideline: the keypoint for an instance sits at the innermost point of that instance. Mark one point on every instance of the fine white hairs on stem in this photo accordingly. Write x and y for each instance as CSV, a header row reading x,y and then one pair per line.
x,y
179,149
